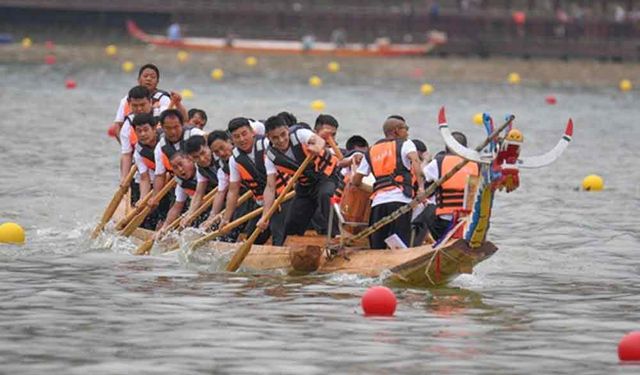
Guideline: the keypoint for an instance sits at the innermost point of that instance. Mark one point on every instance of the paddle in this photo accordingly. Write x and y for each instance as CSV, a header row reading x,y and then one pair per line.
x,y
335,148
244,249
115,202
135,223
134,212
232,225
207,200
432,188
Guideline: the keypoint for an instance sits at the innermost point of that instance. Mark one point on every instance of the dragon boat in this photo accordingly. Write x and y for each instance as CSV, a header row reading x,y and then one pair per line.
x,y
463,246
380,49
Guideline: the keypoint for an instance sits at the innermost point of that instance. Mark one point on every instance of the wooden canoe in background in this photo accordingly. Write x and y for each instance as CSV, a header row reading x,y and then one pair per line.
x,y
288,46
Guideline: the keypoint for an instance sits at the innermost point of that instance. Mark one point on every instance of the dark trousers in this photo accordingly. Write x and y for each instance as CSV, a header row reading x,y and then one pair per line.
x,y
305,204
421,224
401,226
276,228
158,214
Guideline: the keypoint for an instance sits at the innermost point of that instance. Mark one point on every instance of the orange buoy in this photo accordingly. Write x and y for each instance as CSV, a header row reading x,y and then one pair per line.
x,y
379,301
550,99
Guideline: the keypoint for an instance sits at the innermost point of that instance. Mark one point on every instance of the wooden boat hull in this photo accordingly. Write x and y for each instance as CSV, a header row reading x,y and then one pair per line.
x,y
418,267
283,47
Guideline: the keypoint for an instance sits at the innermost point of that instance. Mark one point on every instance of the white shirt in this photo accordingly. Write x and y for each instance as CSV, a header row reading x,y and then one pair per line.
x,y
223,180
157,152
304,135
120,112
395,194
181,195
258,128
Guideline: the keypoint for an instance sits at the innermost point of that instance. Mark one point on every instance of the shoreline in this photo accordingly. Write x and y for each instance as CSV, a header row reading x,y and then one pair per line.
x,y
534,72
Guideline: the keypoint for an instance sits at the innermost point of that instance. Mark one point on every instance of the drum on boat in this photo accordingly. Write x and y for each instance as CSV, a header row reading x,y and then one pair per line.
x,y
355,207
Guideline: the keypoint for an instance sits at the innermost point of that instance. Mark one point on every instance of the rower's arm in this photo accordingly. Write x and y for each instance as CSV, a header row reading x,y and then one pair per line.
x,y
218,202
201,189
316,144
416,166
145,184
357,182
232,200
269,193
125,165
172,215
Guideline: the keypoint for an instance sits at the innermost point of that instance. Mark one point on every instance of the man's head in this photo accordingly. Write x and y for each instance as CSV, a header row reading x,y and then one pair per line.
x,y
241,133
182,166
144,125
139,99
198,151
277,132
149,76
197,117
288,117
460,137
357,143
326,126
421,148
395,127
171,121
220,144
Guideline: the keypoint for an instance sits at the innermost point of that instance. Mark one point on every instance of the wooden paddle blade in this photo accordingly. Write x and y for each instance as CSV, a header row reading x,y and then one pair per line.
x,y
243,251
115,202
145,247
133,213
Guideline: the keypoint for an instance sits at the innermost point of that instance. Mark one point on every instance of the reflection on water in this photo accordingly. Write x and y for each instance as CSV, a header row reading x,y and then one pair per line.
x,y
556,297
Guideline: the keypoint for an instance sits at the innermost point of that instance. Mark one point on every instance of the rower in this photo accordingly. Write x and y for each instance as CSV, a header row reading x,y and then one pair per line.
x,y
139,100
173,139
147,135
247,168
424,212
289,146
206,168
187,187
197,118
357,148
395,165
148,76
449,197
326,126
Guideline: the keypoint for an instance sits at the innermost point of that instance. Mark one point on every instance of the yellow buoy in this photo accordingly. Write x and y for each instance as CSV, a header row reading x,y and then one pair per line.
x,y
315,81
186,94
513,78
251,61
182,56
127,66
11,233
625,85
318,105
27,42
593,182
477,119
217,74
111,50
426,89
333,67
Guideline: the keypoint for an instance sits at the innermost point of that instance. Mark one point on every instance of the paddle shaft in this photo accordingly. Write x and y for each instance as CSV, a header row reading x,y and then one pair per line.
x,y
244,249
134,212
135,223
115,202
432,188
232,225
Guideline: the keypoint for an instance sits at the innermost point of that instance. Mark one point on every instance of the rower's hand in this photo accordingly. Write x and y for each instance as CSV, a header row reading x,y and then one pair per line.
x,y
263,223
184,222
159,234
176,98
211,222
315,149
153,203
356,159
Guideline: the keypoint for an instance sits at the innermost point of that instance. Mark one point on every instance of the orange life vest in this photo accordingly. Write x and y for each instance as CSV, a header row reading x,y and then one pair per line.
x,y
133,138
450,195
385,160
253,174
325,164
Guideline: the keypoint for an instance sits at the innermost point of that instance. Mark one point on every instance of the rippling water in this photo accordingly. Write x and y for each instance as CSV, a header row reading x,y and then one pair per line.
x,y
556,298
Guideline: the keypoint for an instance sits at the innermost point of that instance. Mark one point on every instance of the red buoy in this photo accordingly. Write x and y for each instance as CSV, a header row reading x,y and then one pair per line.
x,y
50,59
112,131
379,301
70,84
629,347
550,99
519,18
